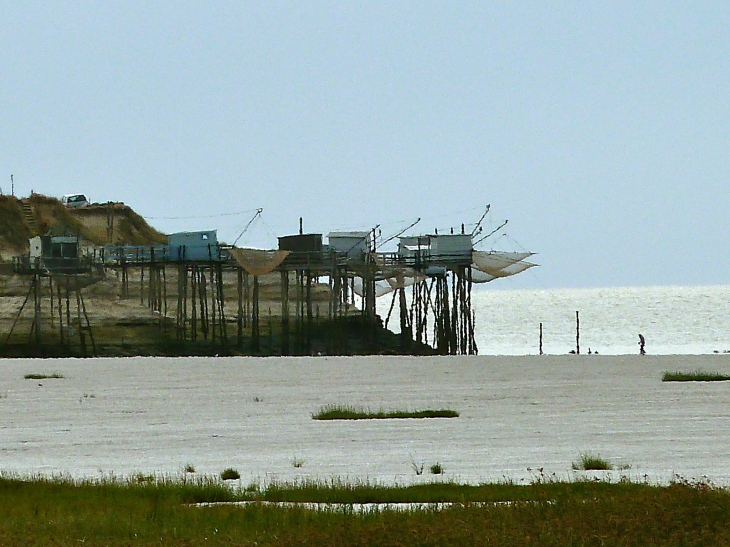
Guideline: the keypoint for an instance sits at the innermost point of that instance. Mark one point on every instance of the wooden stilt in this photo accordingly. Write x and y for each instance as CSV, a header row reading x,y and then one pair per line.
x,y
285,312
239,316
255,338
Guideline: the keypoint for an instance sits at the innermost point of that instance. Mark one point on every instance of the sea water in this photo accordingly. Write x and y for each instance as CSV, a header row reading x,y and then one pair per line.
x,y
673,320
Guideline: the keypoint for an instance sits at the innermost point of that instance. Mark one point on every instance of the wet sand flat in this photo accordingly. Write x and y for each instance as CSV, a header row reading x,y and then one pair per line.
x,y
157,415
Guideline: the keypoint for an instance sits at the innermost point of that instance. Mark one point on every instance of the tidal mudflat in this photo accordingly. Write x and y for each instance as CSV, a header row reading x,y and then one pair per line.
x,y
161,415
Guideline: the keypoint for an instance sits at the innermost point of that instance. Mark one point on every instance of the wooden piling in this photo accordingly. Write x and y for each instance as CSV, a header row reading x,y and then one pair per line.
x,y
284,312
239,316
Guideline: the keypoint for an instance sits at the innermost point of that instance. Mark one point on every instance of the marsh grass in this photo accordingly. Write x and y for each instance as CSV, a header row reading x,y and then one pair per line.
x,y
43,376
337,491
695,376
44,512
418,469
230,474
592,462
347,412
437,469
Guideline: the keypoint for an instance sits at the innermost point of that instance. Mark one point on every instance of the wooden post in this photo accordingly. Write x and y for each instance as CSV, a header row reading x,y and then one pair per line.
x,y
87,327
60,311
577,333
68,317
246,299
50,291
255,340
540,338
214,303
309,312
195,294
405,330
82,337
125,276
204,314
221,309
141,285
164,296
239,318
179,317
37,308
285,312
151,288
299,322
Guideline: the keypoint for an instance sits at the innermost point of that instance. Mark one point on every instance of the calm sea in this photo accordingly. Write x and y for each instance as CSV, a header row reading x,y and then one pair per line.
x,y
673,320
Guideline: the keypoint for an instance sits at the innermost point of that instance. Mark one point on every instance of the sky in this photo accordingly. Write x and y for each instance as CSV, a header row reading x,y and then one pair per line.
x,y
601,131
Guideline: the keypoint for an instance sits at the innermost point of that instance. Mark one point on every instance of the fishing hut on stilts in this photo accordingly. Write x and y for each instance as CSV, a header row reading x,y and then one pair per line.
x,y
58,272
324,295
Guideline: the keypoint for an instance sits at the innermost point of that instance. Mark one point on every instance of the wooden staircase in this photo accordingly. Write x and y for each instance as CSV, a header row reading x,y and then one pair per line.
x,y
29,215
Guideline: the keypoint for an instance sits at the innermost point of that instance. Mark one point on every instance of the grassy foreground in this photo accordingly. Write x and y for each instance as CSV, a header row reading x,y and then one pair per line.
x,y
346,412
159,512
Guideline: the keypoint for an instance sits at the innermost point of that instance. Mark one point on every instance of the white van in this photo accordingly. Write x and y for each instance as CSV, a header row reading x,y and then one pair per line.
x,y
74,200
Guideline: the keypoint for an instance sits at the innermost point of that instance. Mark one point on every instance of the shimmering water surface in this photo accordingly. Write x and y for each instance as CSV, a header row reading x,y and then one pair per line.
x,y
673,320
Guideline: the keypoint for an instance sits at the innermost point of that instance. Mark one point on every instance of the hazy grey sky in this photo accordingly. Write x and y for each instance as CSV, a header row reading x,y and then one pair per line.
x,y
600,130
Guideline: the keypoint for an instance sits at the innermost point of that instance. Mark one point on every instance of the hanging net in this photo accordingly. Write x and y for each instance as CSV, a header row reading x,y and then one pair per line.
x,y
258,261
397,278
490,265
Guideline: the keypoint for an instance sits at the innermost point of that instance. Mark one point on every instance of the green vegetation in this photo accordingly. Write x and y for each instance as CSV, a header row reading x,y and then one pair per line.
x,y
13,231
44,512
437,469
42,376
45,213
339,412
592,462
230,474
696,376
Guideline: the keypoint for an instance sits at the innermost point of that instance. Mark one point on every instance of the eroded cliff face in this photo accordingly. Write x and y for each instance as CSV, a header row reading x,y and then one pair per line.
x,y
100,224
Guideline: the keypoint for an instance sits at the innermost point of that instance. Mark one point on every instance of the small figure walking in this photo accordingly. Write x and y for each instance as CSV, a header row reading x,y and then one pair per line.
x,y
642,343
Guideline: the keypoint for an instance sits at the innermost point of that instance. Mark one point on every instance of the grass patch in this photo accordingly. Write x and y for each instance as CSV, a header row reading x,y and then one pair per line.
x,y
42,376
592,462
157,512
230,474
695,376
437,469
346,412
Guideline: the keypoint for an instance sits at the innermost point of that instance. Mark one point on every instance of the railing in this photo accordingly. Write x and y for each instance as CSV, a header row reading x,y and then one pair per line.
x,y
111,256
129,254
25,264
